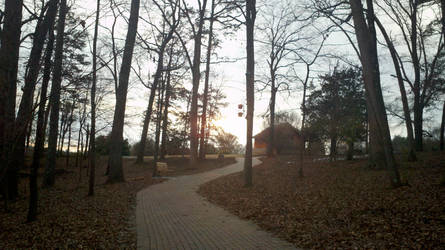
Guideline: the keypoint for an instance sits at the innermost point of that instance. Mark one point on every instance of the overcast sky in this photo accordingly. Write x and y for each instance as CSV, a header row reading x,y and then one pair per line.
x,y
231,78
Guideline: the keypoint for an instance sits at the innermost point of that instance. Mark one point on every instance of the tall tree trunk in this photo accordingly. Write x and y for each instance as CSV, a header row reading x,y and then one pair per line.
x,y
115,159
93,107
250,88
70,122
442,128
148,113
87,143
24,115
196,76
417,108
9,56
333,147
40,130
406,111
373,88
158,127
303,122
350,152
185,128
202,144
377,154
271,144
49,175
442,124
166,104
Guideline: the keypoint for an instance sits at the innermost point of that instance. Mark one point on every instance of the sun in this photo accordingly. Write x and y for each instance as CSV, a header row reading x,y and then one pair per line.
x,y
234,125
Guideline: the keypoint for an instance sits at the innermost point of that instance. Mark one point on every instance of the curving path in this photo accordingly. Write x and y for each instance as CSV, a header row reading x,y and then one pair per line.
x,y
171,215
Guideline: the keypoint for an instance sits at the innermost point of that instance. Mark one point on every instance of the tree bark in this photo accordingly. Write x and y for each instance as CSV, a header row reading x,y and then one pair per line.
x,y
49,175
24,115
377,154
92,150
196,76
166,104
40,131
202,144
115,159
160,107
417,108
250,88
406,110
9,56
148,113
372,87
67,161
442,128
271,144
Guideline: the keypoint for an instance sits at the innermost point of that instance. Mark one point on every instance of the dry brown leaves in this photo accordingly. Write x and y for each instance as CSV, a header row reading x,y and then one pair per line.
x,y
341,206
68,218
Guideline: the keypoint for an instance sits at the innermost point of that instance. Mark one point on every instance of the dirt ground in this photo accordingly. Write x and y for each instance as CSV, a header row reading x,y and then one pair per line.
x,y
68,218
342,204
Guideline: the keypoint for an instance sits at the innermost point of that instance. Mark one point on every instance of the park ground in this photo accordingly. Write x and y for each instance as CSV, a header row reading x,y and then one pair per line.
x,y
342,204
68,218
335,205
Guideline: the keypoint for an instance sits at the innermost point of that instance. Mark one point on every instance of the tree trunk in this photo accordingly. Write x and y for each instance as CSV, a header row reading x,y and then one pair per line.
x,y
49,175
442,124
115,159
87,143
271,144
250,87
333,148
442,128
202,144
406,110
372,87
70,122
9,56
196,76
303,123
158,128
377,154
418,109
40,131
148,113
92,150
24,115
167,104
350,153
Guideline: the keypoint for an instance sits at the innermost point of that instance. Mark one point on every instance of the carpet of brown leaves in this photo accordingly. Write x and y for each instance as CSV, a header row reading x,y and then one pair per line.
x,y
68,218
341,205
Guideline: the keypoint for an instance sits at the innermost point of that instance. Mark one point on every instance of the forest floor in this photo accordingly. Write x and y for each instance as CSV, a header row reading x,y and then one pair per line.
x,y
68,218
342,204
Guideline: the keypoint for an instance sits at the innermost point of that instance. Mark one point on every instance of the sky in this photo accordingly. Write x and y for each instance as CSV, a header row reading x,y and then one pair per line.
x,y
231,78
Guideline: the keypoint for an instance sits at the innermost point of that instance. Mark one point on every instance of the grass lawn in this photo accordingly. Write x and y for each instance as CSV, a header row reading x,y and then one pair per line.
x,y
69,219
341,205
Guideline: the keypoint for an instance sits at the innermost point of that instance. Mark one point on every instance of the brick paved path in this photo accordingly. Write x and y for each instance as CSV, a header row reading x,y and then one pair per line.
x,y
171,215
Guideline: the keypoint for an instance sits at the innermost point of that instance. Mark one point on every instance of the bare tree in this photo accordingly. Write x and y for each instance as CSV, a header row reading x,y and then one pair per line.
x,y
172,18
406,110
280,34
9,56
423,60
376,105
250,16
194,64
202,151
115,159
92,149
49,175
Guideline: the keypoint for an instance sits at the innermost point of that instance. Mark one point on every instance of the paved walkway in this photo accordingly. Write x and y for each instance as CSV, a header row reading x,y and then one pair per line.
x,y
171,215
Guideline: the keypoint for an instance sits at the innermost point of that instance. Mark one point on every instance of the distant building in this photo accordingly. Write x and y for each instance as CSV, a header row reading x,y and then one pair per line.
x,y
287,140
